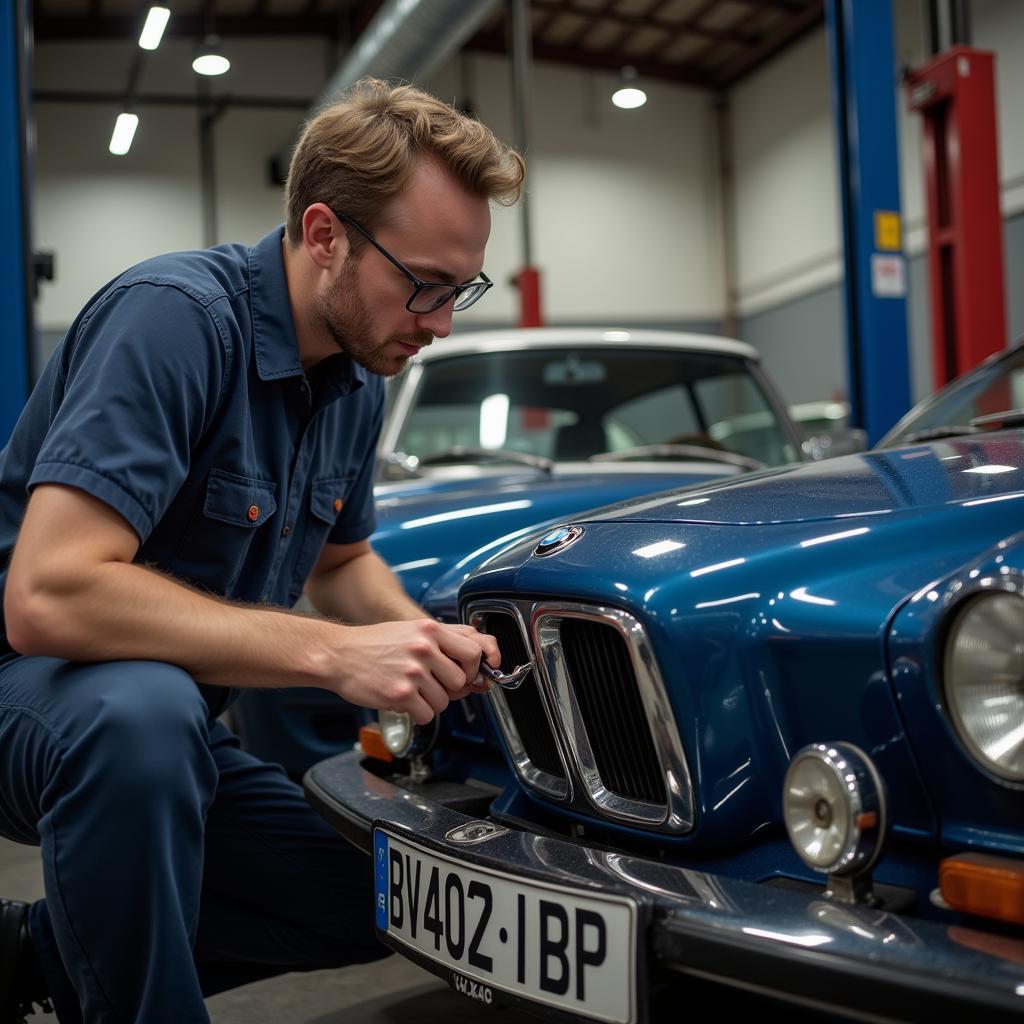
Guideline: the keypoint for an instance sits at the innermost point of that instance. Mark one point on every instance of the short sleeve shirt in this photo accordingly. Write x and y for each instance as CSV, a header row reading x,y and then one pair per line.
x,y
178,399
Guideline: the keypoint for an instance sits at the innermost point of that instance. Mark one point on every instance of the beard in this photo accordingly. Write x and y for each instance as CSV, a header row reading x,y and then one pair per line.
x,y
343,313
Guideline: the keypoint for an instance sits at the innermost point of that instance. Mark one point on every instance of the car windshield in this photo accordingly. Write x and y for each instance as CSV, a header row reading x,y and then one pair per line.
x,y
573,404
993,387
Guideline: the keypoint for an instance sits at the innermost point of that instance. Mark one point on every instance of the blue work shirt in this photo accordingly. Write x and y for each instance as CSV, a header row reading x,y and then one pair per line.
x,y
178,399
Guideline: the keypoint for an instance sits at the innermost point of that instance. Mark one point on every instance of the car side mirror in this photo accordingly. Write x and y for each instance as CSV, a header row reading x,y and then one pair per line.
x,y
842,442
398,466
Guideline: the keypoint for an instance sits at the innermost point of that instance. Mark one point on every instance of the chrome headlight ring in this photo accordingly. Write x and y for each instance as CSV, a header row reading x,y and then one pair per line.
x,y
981,654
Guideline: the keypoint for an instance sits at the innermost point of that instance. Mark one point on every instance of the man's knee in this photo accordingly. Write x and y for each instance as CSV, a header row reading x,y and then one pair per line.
x,y
146,725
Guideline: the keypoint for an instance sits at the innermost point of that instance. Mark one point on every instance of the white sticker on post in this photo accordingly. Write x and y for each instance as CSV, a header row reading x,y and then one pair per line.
x,y
888,276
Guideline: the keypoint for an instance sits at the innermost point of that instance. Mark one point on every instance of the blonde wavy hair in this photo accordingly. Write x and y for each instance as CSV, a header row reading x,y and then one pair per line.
x,y
360,152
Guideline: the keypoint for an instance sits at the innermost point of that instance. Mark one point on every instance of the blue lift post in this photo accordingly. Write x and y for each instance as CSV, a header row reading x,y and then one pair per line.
x,y
864,95
15,297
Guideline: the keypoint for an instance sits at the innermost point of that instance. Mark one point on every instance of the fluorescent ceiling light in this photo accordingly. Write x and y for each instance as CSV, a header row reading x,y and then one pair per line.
x,y
124,132
153,30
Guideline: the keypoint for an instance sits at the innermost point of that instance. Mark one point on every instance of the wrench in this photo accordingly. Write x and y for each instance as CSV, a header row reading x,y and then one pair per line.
x,y
510,680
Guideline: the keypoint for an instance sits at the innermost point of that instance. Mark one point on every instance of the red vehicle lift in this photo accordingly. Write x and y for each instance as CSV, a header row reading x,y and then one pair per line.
x,y
955,94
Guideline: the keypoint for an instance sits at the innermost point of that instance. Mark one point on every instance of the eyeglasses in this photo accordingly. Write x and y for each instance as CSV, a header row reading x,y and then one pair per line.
x,y
427,296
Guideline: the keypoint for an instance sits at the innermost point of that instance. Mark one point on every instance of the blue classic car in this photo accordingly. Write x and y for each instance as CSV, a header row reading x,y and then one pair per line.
x,y
768,732
493,432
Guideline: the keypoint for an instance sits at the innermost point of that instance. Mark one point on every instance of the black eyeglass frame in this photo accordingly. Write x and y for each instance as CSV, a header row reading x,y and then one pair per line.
x,y
476,288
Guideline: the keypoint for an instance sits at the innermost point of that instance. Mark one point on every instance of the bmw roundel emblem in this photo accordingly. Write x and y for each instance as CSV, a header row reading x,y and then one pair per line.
x,y
558,540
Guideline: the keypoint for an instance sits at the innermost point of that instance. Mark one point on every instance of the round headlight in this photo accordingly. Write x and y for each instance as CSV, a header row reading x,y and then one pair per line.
x,y
984,681
834,807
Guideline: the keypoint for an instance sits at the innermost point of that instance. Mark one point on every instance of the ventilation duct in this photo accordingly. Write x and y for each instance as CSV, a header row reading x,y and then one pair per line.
x,y
407,40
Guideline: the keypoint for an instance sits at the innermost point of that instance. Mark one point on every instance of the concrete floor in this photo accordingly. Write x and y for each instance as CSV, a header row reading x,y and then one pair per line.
x,y
386,992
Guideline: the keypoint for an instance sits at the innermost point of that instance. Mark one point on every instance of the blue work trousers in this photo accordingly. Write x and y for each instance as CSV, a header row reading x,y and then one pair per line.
x,y
175,865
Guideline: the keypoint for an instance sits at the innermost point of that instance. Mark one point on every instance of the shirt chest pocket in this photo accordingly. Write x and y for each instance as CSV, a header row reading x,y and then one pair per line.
x,y
220,536
327,498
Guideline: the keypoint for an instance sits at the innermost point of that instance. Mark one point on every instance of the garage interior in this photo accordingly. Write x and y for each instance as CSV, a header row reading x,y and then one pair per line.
x,y
721,206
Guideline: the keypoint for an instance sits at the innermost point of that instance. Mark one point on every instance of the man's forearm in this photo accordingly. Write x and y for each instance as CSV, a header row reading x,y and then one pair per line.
x,y
74,591
362,591
121,611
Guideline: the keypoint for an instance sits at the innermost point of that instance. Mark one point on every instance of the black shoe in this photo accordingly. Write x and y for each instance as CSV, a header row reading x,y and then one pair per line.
x,y
21,984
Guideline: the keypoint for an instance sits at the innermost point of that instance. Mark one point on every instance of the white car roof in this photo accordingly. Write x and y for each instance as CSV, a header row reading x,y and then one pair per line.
x,y
513,339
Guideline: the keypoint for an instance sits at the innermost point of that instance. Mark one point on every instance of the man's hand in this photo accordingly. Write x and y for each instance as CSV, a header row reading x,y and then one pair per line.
x,y
418,666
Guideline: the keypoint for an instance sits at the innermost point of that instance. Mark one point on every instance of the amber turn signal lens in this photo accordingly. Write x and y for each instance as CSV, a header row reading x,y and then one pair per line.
x,y
372,742
979,883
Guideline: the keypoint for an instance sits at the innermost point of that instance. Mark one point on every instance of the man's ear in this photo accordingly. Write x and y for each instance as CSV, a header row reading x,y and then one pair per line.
x,y
324,237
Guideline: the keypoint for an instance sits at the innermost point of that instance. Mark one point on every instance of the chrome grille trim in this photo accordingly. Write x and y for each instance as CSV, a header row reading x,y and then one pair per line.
x,y
676,813
531,774
540,623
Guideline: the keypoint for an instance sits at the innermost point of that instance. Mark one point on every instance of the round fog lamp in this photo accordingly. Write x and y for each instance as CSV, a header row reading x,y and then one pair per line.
x,y
398,729
984,681
833,803
403,737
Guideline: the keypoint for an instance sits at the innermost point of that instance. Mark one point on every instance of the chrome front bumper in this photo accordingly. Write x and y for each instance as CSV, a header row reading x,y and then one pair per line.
x,y
792,945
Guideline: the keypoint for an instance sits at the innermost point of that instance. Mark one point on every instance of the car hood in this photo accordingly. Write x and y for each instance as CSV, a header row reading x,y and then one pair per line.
x,y
426,526
768,606
905,480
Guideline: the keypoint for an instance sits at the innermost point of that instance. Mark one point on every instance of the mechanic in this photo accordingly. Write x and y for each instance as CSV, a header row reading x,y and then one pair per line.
x,y
198,450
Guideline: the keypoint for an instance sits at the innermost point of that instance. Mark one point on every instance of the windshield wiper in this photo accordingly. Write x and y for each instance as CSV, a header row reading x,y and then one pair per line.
x,y
468,453
976,425
679,452
998,420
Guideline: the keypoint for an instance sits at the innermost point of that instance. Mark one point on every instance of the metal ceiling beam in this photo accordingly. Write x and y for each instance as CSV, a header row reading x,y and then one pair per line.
x,y
638,21
491,42
788,32
589,24
188,26
164,99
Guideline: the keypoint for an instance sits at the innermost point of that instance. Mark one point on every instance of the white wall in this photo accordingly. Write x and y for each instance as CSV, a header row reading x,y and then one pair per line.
x,y
623,204
788,240
99,213
999,26
785,191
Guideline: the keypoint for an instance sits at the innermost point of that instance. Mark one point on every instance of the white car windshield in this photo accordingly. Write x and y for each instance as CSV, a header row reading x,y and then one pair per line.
x,y
574,404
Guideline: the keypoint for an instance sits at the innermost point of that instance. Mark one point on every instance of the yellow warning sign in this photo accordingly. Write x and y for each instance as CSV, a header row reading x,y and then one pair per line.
x,y
887,231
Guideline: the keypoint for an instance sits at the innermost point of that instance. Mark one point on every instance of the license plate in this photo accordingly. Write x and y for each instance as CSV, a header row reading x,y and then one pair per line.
x,y
547,943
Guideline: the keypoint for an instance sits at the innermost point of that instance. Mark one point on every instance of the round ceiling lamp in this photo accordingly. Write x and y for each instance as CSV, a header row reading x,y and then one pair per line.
x,y
629,95
209,60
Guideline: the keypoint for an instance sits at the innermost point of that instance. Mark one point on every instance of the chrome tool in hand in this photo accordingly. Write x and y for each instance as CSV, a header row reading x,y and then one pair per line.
x,y
510,680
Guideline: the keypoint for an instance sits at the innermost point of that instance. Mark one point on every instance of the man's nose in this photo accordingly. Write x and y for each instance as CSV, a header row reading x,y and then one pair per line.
x,y
438,321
